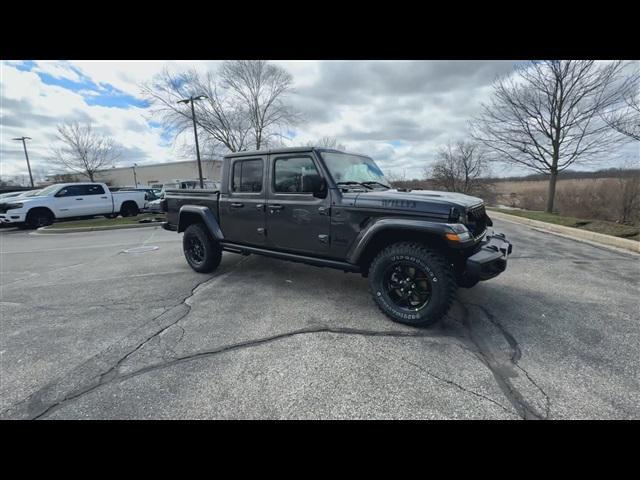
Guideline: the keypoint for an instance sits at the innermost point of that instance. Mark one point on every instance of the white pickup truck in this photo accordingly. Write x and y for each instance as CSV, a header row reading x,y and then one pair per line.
x,y
69,200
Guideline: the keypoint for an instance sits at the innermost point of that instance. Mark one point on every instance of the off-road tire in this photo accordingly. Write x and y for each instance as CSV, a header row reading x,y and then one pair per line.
x,y
38,217
209,251
129,209
439,274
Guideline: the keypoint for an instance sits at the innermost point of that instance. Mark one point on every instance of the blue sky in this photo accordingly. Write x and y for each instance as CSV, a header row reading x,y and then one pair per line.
x,y
93,93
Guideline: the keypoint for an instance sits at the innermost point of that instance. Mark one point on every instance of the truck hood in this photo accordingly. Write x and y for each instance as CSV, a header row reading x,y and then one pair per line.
x,y
419,201
24,200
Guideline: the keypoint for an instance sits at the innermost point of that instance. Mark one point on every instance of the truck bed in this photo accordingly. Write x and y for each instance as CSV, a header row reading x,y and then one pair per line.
x,y
178,197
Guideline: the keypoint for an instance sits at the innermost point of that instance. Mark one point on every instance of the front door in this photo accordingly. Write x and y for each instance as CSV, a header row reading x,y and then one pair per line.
x,y
298,220
242,208
69,201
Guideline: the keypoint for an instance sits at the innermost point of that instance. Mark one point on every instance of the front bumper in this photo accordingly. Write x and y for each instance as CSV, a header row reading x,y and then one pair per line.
x,y
491,260
11,216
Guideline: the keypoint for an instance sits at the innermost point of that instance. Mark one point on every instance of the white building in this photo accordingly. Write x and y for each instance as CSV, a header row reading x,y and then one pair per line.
x,y
153,175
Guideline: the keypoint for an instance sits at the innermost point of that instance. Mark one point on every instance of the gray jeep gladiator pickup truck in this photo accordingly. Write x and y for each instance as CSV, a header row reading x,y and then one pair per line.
x,y
330,208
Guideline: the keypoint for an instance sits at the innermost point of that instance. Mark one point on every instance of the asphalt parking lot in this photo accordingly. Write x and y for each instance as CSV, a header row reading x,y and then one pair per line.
x,y
114,324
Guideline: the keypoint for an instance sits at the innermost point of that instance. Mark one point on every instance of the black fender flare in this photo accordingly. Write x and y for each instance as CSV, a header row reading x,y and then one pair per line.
x,y
380,225
207,216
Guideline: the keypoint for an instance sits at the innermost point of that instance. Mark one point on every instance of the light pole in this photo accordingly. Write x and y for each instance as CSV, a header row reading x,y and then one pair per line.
x,y
135,179
195,131
26,156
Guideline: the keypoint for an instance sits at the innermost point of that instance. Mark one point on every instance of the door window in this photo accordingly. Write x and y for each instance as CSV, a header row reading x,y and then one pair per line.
x,y
72,191
296,175
247,176
94,189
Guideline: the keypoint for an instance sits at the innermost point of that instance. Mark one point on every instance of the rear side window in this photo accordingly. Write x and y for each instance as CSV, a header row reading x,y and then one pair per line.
x,y
94,189
296,175
247,176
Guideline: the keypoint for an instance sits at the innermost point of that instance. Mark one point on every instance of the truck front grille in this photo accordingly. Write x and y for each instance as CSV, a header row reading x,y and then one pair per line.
x,y
477,221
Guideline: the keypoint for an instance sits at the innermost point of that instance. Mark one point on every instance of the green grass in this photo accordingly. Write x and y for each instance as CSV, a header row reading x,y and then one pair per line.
x,y
105,222
599,226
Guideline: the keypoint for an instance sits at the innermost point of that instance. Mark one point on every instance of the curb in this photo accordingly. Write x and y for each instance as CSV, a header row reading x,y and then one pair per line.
x,y
48,230
573,233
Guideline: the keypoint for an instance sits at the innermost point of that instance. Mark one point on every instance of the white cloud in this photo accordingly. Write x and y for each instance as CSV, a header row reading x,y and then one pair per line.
x,y
36,108
57,69
397,112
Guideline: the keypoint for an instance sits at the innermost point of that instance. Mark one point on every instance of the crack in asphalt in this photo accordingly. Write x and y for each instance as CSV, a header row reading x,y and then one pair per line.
x,y
524,408
262,341
35,399
451,382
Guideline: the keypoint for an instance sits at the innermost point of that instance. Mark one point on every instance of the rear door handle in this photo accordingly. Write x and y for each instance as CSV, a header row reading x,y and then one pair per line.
x,y
275,207
79,198
104,197
237,205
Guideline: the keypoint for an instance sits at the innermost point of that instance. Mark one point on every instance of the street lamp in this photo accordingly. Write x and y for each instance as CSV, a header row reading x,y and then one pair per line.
x,y
27,156
195,131
135,179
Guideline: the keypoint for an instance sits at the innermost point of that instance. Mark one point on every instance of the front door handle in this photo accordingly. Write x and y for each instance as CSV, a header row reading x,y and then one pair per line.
x,y
79,198
237,205
104,197
273,208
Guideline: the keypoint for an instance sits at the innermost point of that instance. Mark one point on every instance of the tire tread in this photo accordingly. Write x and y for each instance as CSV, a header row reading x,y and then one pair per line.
x,y
433,258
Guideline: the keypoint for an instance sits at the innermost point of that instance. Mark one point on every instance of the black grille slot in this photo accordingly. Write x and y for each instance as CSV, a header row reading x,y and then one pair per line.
x,y
477,220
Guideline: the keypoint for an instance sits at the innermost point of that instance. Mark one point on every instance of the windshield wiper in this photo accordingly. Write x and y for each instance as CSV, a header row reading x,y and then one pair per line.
x,y
350,182
377,183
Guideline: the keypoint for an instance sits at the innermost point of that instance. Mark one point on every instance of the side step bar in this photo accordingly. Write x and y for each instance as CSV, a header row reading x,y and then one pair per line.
x,y
318,262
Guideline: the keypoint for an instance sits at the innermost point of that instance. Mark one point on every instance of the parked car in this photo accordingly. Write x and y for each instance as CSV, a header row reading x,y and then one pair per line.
x,y
335,209
69,200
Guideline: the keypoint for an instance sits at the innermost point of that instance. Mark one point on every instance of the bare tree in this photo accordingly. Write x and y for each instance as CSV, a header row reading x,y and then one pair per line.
x,y
327,142
221,116
624,117
245,105
395,178
262,88
459,167
83,150
546,116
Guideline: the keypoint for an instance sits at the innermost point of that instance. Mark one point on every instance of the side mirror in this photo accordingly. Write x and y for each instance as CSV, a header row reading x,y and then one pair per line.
x,y
321,190
61,193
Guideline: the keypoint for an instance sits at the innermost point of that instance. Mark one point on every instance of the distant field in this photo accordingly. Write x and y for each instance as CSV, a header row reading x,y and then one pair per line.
x,y
606,199
505,189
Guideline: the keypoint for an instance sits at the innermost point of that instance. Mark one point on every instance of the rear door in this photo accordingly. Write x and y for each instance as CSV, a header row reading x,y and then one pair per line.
x,y
242,208
297,220
96,200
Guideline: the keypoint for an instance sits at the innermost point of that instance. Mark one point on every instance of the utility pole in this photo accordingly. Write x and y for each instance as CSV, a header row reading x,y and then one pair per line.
x,y
26,156
195,131
135,179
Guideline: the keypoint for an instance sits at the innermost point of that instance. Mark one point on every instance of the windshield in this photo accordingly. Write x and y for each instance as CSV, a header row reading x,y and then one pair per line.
x,y
345,167
51,189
